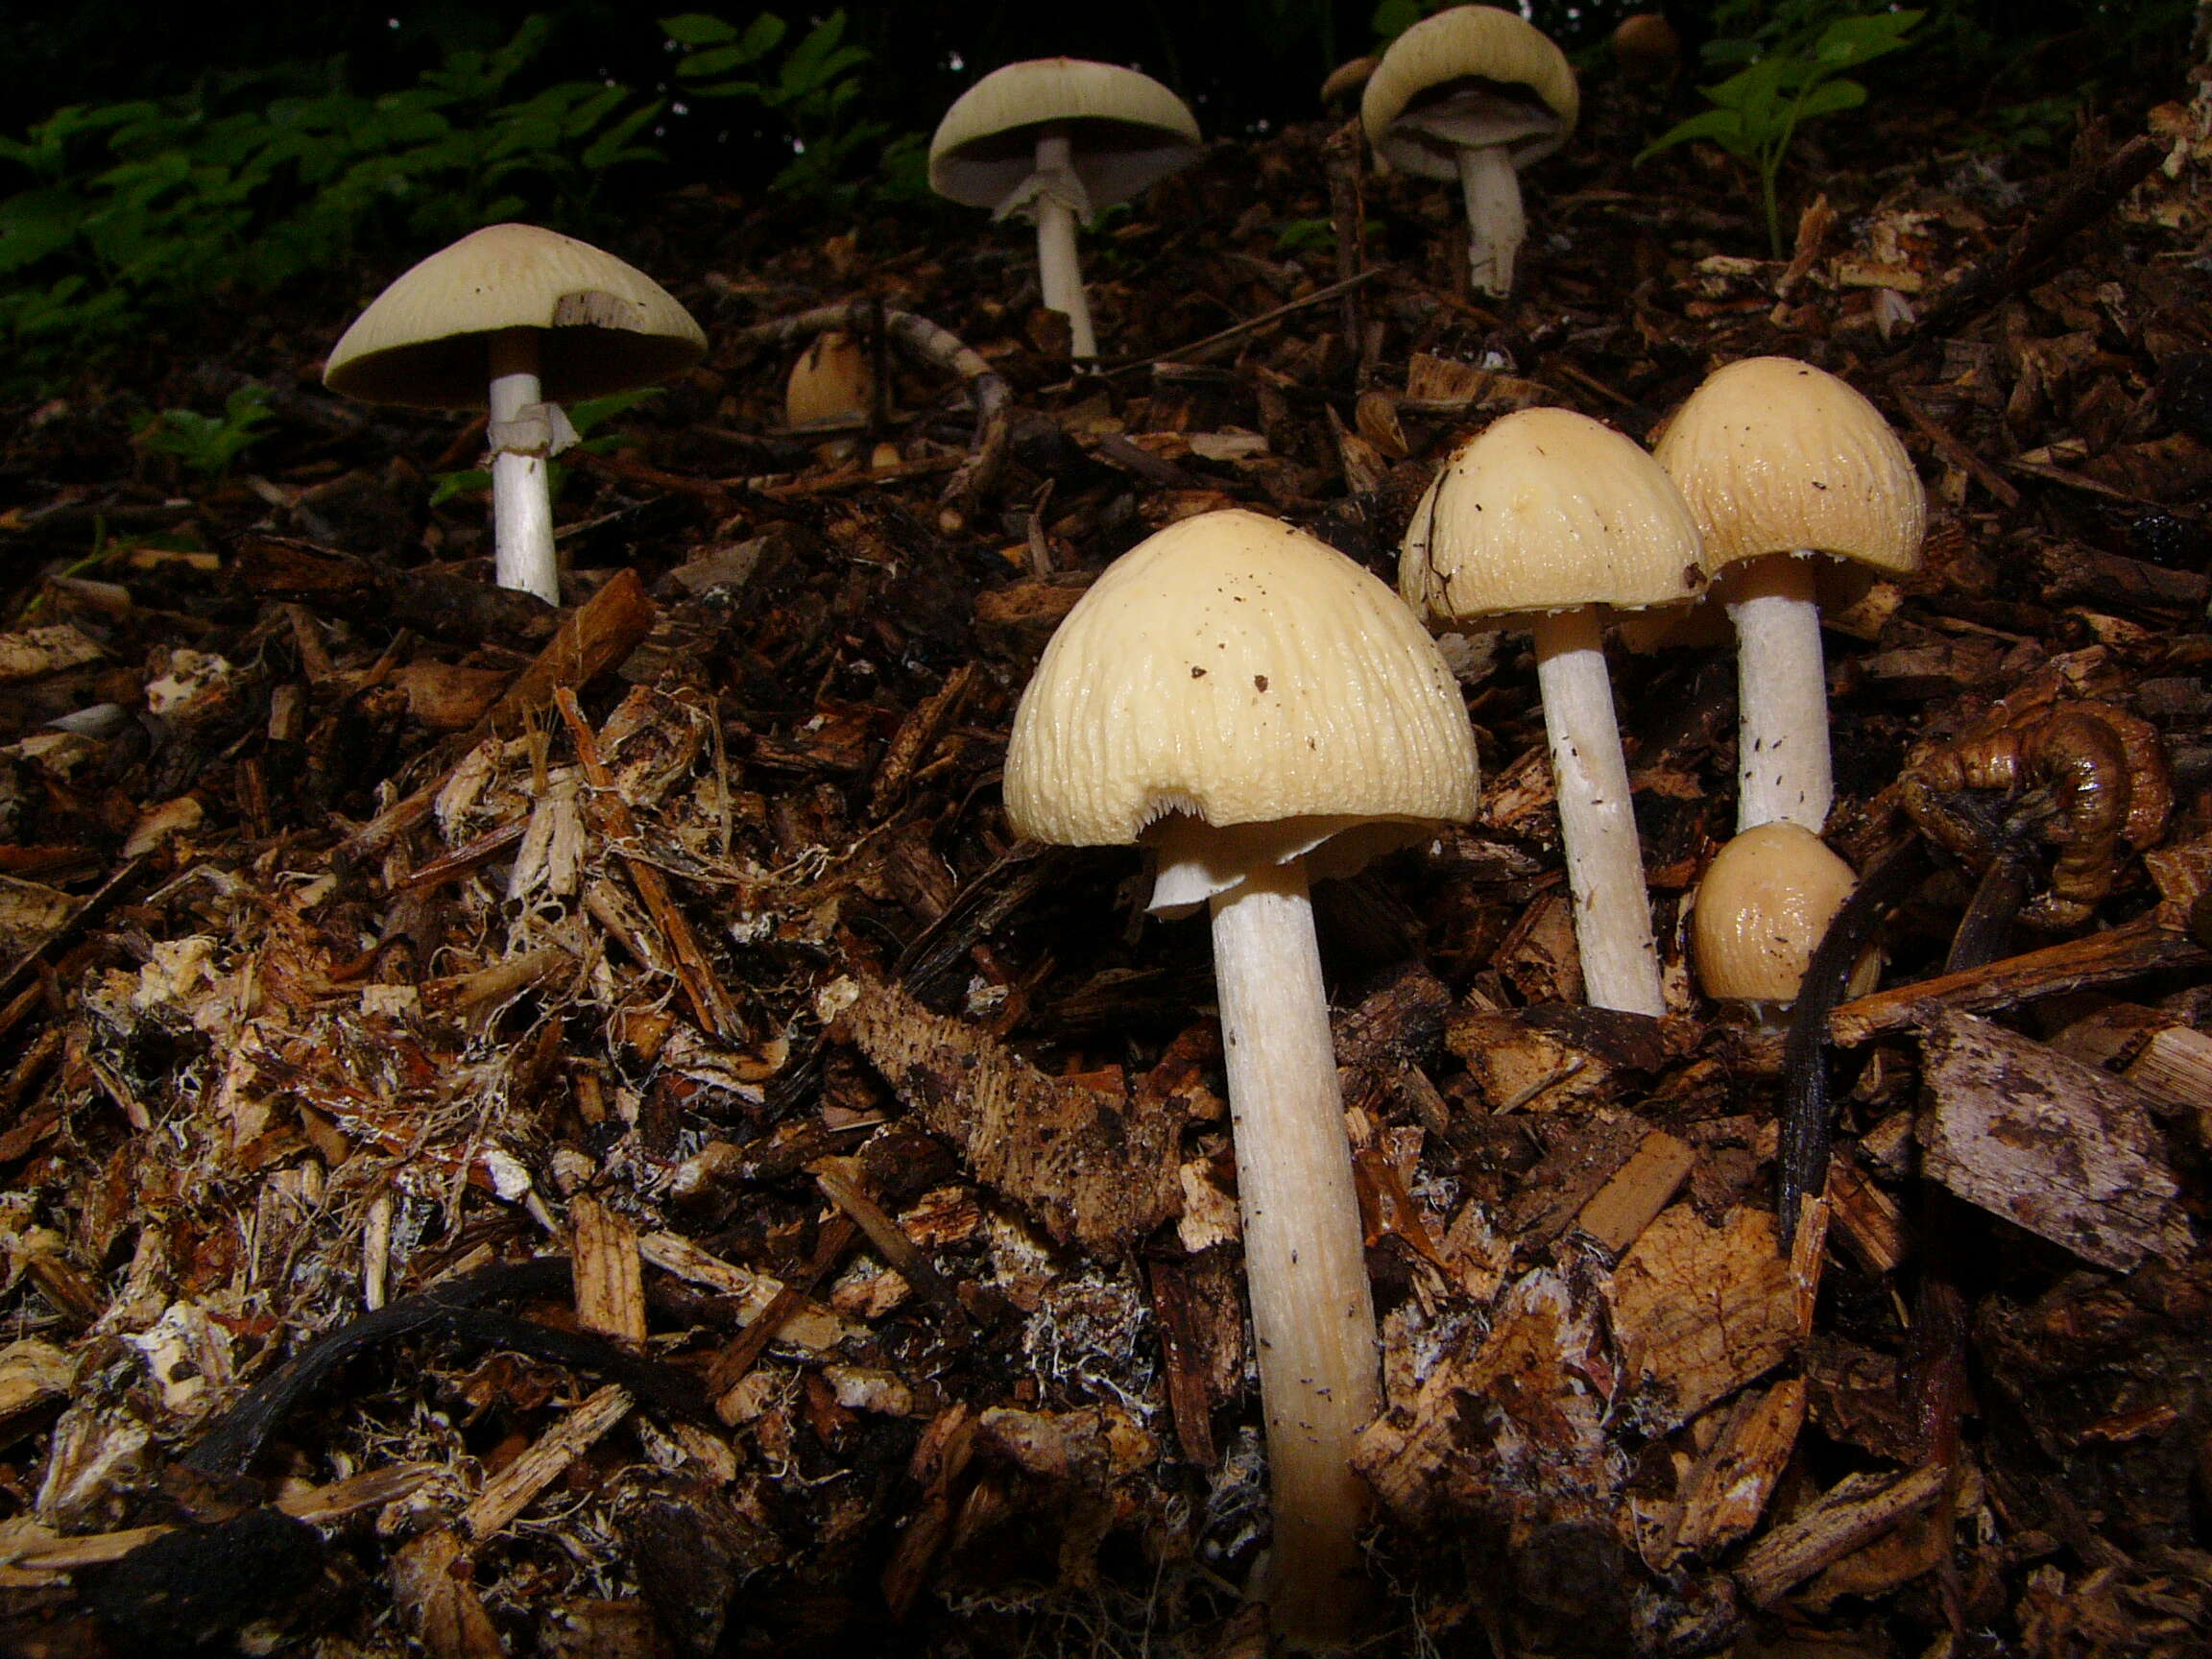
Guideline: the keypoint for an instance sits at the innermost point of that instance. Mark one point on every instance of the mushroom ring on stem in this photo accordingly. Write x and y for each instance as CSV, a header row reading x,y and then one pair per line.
x,y
1263,711
1058,140
1551,521
1474,94
516,320
1781,462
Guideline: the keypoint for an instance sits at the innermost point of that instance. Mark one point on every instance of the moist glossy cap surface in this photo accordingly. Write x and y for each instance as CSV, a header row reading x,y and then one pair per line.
x,y
1237,669
608,326
1766,901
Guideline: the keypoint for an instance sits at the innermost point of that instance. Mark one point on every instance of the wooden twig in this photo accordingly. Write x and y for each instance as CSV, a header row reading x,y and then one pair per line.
x,y
2147,945
703,990
1319,297
2087,197
986,386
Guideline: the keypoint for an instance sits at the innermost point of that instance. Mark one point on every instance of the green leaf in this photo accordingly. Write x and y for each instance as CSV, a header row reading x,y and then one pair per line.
x,y
697,29
1722,126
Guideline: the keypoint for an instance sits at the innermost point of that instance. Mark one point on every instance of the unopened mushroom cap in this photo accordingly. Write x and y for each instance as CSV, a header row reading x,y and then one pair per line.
x,y
1237,669
1125,131
608,326
1766,901
1777,456
1467,76
831,384
1546,510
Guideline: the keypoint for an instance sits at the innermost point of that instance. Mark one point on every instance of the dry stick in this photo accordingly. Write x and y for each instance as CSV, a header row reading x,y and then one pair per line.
x,y
994,400
1341,155
2089,196
885,1234
741,1355
592,638
709,1003
1319,297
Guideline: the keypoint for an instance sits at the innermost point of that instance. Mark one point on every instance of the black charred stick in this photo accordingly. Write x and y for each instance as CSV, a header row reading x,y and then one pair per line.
x,y
1808,1112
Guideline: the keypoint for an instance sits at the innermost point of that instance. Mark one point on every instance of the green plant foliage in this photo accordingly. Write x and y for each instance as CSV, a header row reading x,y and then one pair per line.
x,y
586,417
129,211
210,443
1757,111
813,92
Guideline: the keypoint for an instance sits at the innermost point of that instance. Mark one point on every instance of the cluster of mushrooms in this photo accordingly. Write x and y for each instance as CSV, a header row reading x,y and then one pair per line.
x,y
1260,710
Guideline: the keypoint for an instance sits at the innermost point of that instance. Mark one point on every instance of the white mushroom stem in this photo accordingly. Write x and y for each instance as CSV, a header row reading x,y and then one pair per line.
x,y
1496,226
1597,817
521,493
1304,1261
1783,770
1058,270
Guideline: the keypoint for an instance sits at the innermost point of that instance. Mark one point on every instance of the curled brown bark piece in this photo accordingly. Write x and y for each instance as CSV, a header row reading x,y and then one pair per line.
x,y
2090,779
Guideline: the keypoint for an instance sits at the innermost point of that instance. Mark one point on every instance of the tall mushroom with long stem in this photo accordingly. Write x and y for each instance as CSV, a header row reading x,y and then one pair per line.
x,y
1474,93
1551,521
516,320
1798,486
1058,140
1263,711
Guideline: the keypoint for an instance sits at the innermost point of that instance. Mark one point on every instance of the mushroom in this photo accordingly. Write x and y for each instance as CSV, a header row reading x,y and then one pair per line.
x,y
1476,94
833,385
1780,460
1764,903
1264,712
1056,140
1549,521
517,321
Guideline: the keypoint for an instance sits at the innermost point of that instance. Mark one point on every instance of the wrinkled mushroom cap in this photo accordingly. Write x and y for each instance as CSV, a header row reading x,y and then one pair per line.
x,y
1766,901
1777,456
1466,78
1238,670
608,326
1546,510
1125,131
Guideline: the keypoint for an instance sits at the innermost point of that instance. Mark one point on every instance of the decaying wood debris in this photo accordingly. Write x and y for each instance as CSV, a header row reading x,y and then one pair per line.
x,y
581,1130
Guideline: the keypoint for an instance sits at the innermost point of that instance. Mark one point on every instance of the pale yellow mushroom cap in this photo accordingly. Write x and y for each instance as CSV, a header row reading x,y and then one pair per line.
x,y
608,326
1125,131
1546,510
1238,669
1766,901
1777,456
1426,98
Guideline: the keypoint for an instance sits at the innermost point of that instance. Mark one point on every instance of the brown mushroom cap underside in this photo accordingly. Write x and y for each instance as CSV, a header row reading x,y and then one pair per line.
x,y
1235,668
1472,75
1125,131
606,327
1548,509
1777,456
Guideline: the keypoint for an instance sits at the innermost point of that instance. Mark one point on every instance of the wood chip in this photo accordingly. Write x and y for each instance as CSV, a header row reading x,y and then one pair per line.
x,y
1702,1311
2067,1151
1726,1489
609,1277
1619,1210
517,1484
1092,1169
1851,1513
436,1601
2133,948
